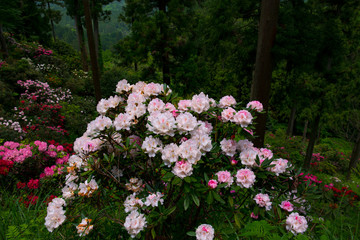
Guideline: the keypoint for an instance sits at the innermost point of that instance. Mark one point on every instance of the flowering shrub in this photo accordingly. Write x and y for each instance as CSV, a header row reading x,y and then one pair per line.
x,y
160,167
32,161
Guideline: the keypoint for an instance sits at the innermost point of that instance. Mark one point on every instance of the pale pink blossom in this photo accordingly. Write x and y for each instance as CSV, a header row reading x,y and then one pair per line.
x,y
280,166
228,114
252,215
227,101
156,105
243,118
200,103
225,177
245,178
296,223
205,232
248,157
183,105
182,169
263,200
228,147
256,105
135,223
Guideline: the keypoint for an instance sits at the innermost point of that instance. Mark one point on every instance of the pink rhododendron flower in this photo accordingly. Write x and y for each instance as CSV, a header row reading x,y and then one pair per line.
x,y
263,200
286,205
252,215
227,101
225,177
33,184
212,183
243,118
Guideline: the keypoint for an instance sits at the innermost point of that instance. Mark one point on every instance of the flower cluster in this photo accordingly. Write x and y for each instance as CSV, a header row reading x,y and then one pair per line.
x,y
55,214
42,51
152,153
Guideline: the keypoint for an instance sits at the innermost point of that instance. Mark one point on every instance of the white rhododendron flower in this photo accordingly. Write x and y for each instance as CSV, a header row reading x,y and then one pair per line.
x,y
183,105
85,145
55,214
248,157
263,200
200,103
156,105
88,188
139,87
296,223
151,146
162,123
132,203
182,169
228,114
123,86
123,121
84,227
135,223
186,122
228,147
136,109
280,166
154,199
227,101
245,178
170,154
152,89
189,150
243,145
205,232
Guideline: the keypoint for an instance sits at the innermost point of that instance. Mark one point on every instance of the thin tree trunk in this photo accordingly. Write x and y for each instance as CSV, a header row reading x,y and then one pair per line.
x,y
355,156
313,136
289,131
52,22
164,52
93,58
97,41
260,88
3,43
305,131
80,34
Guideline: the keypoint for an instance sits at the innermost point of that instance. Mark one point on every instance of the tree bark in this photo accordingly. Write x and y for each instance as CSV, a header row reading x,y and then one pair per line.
x,y
355,156
3,43
289,131
93,58
97,41
313,137
80,34
163,47
305,131
52,23
260,88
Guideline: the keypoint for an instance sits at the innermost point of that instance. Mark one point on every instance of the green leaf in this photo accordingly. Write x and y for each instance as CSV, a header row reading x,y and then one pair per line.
x,y
209,198
257,229
176,181
191,234
170,210
231,201
237,218
195,199
153,233
186,203
218,198
206,177
167,176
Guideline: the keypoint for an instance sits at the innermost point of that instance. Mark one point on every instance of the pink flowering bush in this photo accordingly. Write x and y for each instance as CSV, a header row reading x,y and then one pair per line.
x,y
26,164
155,167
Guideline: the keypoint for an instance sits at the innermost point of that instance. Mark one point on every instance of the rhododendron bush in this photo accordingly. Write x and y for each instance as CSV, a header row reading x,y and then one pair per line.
x,y
156,167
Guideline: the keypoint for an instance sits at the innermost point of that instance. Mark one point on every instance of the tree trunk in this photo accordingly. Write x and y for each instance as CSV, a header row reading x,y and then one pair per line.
x,y
52,22
355,156
93,58
260,88
313,136
80,34
289,131
305,131
164,52
3,43
97,41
